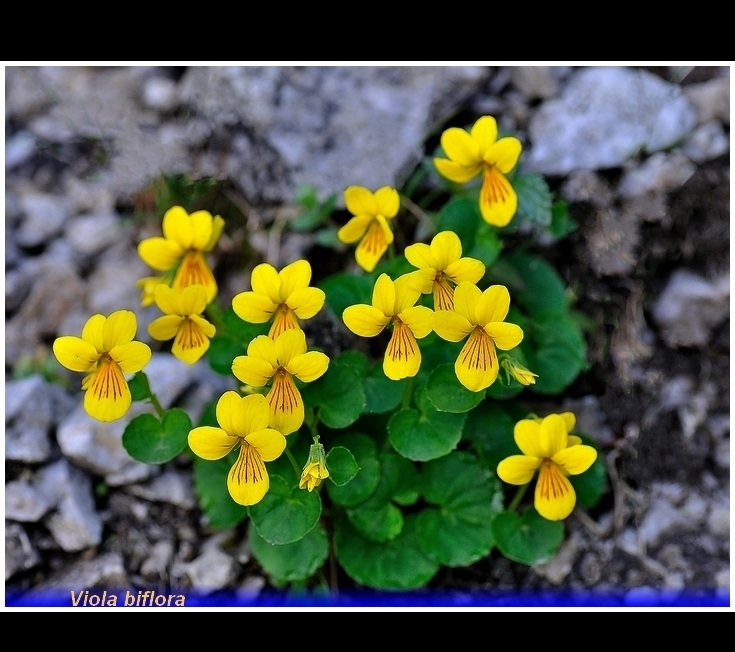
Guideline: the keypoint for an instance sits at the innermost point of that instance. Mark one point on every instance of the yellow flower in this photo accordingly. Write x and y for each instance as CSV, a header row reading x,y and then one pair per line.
x,y
147,286
479,151
393,303
481,316
244,422
279,361
518,371
182,321
180,252
283,296
105,352
441,267
316,467
547,447
370,224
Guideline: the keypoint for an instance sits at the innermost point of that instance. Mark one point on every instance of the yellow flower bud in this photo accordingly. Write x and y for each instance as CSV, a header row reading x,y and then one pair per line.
x,y
316,468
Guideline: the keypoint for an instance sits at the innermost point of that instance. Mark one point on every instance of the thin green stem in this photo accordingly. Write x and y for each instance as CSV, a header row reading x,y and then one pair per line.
x,y
293,463
408,393
517,498
156,404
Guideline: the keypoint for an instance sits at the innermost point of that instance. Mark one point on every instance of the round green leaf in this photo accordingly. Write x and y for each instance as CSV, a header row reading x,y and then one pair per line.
x,y
291,562
342,465
139,387
241,331
382,394
396,565
423,436
486,248
468,496
447,394
343,290
461,215
355,360
339,396
529,539
210,484
489,428
362,486
286,513
534,198
542,288
222,351
149,440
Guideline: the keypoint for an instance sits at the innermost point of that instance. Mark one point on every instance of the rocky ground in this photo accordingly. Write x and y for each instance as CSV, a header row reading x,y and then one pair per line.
x,y
641,155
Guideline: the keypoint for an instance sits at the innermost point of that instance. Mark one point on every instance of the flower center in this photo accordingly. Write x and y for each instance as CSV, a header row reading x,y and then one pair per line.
x,y
283,319
443,292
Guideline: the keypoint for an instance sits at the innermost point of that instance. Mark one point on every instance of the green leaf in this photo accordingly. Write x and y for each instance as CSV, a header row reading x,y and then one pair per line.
x,y
210,483
529,539
342,465
458,532
542,291
489,428
591,485
346,289
362,486
339,396
396,565
241,331
286,513
139,387
534,198
382,394
151,441
222,351
291,562
447,394
355,360
486,248
561,222
423,436
461,215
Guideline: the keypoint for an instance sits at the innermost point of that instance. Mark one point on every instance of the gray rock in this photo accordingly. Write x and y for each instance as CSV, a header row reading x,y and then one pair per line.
x,y
24,502
214,569
171,486
19,148
689,307
160,93
43,218
711,99
707,142
605,116
20,554
111,287
89,235
587,186
106,570
75,524
156,567
28,417
535,82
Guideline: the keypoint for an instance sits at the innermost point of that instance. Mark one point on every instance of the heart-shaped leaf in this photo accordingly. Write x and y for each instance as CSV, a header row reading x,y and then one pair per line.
x,y
151,441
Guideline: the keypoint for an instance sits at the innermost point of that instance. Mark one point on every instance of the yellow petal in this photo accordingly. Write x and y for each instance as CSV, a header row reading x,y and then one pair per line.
x,y
252,307
190,343
387,231
384,295
477,364
418,319
573,440
167,300
265,280
498,200
553,435
569,419
211,443
289,344
286,404
465,269
206,327
253,415
493,305
193,300
200,224
92,332
360,201
218,224
194,270
527,435
419,255
402,356
443,294
455,171
119,328
484,132
575,459
294,277
450,325
268,442
504,154
309,366
131,357
264,348
355,228
107,397
165,328
407,292
177,227
159,253
554,497
227,405
387,202
74,353
446,248
307,302
147,285
248,479
424,279
466,297
252,371
371,247
459,146
364,320
284,319
518,469
506,336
